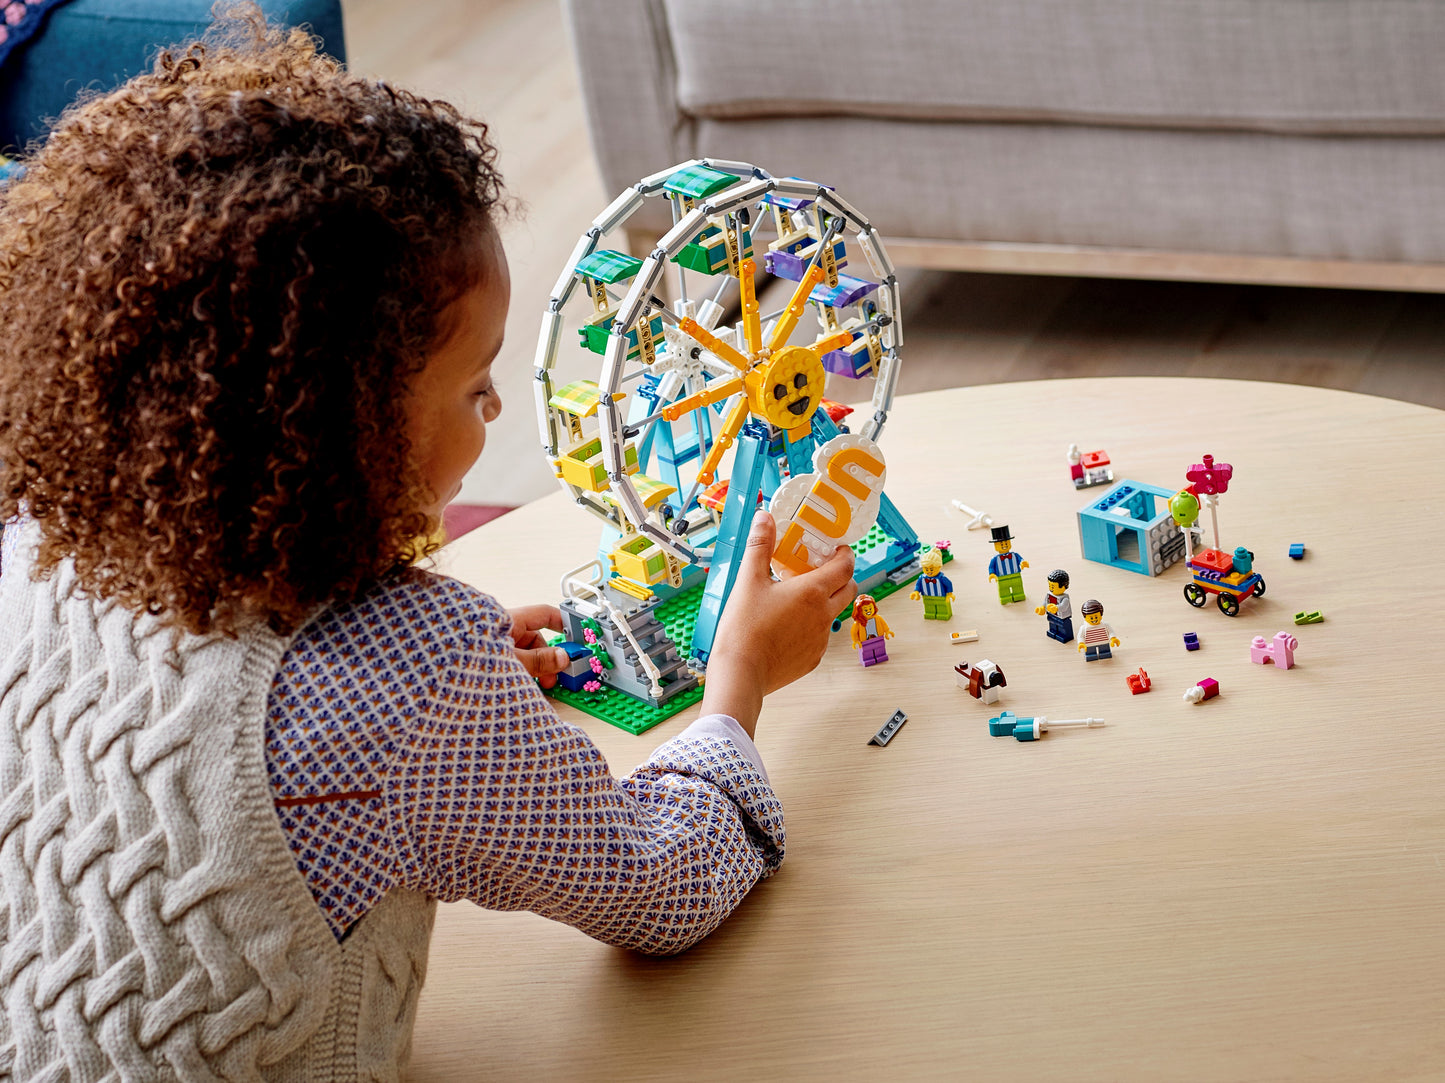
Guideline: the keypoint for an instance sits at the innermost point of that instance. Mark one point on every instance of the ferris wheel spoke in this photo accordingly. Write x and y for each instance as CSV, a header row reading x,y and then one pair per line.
x,y
831,343
713,392
794,312
747,289
707,472
718,347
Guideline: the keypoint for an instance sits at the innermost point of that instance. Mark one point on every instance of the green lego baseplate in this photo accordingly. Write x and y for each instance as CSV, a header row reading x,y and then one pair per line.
x,y
678,615
624,711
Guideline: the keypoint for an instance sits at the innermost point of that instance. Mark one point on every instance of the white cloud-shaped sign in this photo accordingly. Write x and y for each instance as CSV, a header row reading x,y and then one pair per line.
x,y
835,505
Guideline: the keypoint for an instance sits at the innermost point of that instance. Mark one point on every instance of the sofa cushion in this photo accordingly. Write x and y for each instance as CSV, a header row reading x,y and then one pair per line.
x,y
98,44
1303,66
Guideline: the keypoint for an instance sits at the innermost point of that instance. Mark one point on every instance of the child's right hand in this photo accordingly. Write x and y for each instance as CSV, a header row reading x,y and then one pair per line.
x,y
772,632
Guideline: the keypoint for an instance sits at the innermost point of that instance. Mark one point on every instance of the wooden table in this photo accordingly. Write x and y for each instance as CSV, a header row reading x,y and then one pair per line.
x,y
1250,888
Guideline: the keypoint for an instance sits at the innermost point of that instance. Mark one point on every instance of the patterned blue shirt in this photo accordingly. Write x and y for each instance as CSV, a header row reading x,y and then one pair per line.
x,y
1003,564
933,586
406,745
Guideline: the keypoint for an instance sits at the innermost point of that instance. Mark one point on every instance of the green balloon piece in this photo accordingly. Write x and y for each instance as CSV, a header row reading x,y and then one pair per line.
x,y
1184,507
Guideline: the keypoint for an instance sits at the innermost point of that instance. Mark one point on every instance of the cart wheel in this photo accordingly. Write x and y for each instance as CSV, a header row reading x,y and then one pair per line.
x,y
1194,595
1229,605
1259,589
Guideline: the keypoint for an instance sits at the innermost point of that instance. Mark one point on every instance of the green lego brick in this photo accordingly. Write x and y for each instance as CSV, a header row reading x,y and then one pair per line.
x,y
679,615
709,255
699,181
695,258
607,266
594,336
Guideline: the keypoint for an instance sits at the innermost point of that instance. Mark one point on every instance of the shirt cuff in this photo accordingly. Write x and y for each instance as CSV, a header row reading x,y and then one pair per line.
x,y
727,728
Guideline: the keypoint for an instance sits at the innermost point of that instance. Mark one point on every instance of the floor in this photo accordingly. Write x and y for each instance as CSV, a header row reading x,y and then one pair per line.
x,y
509,61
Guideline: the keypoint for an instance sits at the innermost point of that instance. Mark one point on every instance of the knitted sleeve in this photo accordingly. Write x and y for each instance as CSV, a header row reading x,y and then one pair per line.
x,y
493,798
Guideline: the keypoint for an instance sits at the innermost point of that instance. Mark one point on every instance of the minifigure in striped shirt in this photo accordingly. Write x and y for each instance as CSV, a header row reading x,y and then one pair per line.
x,y
935,588
1006,569
1096,637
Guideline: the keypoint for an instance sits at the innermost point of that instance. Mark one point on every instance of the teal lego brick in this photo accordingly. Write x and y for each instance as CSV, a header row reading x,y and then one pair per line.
x,y
594,336
607,266
699,181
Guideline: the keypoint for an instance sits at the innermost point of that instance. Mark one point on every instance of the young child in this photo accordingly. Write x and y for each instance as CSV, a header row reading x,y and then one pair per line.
x,y
254,302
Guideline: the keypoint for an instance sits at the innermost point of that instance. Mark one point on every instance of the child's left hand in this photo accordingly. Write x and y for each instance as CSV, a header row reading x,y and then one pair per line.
x,y
540,660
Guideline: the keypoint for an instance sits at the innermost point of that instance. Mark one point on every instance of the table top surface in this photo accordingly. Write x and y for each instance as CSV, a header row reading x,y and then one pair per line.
x,y
1247,888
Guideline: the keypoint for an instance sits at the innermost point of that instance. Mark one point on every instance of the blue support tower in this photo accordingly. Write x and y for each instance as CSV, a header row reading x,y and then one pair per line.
x,y
749,460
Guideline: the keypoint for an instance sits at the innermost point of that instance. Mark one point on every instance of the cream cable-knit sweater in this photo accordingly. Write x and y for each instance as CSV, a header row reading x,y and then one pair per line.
x,y
153,924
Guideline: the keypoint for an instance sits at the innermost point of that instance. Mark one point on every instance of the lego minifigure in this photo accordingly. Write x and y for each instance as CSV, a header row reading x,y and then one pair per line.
x,y
933,587
1006,569
1097,637
869,631
1058,608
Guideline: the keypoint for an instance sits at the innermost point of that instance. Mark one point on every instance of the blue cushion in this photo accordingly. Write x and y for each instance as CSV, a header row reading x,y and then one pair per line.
x,y
102,43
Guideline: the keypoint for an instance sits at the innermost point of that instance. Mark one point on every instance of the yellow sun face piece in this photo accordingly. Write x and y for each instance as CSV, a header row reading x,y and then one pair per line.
x,y
835,505
786,388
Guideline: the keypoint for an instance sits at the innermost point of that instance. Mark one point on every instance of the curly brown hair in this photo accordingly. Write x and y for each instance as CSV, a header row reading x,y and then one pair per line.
x,y
217,281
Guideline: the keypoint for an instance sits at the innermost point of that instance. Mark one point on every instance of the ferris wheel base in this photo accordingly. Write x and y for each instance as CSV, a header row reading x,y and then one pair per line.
x,y
886,560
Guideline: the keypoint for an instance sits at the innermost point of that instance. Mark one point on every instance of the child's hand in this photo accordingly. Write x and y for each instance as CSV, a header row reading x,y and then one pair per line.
x,y
541,661
772,633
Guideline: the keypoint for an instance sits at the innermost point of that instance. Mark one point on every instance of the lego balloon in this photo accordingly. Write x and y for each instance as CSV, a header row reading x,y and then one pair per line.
x,y
1184,507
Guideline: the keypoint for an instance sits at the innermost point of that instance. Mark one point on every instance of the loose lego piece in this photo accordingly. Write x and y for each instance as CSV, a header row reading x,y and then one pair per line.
x,y
1031,729
1297,551
1207,688
1097,636
970,636
1191,641
935,588
1279,650
1313,616
978,521
892,726
982,680
1139,682
1006,569
1089,468
870,631
1058,608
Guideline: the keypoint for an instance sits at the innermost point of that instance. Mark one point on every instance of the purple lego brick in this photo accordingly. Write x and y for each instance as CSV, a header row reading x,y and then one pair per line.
x,y
845,363
849,290
792,266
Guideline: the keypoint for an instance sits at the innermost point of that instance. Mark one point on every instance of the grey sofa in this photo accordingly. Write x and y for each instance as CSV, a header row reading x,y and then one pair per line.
x,y
1253,140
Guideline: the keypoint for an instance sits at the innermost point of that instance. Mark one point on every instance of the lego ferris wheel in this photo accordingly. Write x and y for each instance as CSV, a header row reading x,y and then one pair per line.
x,y
690,424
